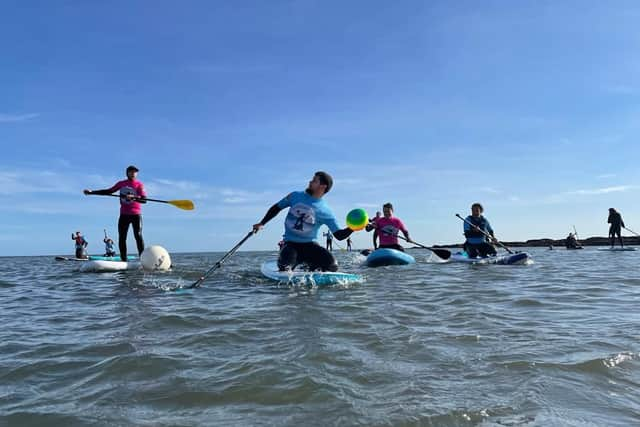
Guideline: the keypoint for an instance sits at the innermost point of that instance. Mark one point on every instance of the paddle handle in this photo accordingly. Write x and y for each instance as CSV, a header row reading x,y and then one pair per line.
x,y
630,230
485,233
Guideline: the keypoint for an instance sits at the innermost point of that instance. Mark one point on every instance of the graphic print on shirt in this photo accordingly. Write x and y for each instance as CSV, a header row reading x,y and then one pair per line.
x,y
301,219
389,230
124,191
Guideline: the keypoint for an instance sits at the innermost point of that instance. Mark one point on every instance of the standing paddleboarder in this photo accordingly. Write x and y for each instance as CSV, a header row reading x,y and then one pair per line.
x,y
132,194
615,219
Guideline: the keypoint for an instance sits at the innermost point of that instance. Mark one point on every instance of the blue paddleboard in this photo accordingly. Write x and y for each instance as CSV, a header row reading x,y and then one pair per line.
x,y
507,259
318,278
386,256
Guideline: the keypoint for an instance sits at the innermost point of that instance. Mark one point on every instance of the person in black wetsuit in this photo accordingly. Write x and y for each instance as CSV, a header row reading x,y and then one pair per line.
x,y
615,219
571,242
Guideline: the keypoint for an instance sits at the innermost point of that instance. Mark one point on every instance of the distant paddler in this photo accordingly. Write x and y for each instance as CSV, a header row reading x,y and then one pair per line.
x,y
108,246
572,242
81,245
307,213
615,219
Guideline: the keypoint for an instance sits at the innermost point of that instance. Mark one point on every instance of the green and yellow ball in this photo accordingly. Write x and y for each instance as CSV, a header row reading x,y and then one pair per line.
x,y
357,219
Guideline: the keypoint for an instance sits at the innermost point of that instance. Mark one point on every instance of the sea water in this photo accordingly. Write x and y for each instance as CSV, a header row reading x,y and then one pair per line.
x,y
552,343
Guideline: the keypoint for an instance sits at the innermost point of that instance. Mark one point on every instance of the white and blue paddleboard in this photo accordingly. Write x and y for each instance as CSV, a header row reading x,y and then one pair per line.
x,y
111,258
101,266
387,256
313,278
507,259
96,258
617,249
64,258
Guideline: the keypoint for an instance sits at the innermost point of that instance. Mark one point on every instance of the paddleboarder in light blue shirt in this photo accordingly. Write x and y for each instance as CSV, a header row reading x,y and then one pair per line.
x,y
307,213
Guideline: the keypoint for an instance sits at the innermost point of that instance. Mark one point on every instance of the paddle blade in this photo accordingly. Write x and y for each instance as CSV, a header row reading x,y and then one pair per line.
x,y
442,253
187,205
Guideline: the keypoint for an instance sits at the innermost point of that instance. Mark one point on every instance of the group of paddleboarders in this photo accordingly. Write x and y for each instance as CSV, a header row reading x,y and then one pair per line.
x,y
81,245
308,212
615,229
132,195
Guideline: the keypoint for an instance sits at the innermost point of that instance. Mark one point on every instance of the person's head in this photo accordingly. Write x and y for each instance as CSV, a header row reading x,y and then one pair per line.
x,y
78,233
378,214
320,184
476,209
611,210
132,172
387,209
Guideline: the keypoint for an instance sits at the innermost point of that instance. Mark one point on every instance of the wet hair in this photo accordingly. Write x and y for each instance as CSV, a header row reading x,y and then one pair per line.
x,y
325,179
478,205
387,205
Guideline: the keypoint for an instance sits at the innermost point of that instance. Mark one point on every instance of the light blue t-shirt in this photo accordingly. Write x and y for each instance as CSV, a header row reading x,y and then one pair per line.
x,y
306,215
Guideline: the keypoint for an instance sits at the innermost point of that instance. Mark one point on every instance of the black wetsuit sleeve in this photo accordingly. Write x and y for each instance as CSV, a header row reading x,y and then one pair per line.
x,y
271,213
104,192
343,234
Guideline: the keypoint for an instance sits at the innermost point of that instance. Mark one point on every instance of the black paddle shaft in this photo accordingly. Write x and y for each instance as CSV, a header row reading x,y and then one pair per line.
x,y
441,253
218,264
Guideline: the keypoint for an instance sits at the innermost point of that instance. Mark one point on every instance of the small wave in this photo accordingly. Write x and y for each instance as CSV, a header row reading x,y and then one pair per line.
x,y
527,302
598,365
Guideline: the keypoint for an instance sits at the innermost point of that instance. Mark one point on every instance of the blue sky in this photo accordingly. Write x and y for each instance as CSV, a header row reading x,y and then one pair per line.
x,y
530,107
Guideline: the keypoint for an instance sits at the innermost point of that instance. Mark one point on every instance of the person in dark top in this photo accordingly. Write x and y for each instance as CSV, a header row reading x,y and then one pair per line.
x,y
108,247
477,244
571,242
372,226
329,237
615,219
81,245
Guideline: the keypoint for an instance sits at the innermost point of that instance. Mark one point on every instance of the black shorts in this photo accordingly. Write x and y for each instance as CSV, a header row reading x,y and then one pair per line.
x,y
395,246
313,255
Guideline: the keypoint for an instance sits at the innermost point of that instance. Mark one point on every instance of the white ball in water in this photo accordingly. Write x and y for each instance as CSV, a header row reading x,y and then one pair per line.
x,y
155,258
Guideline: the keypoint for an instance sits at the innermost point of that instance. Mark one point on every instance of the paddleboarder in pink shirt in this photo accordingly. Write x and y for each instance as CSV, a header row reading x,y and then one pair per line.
x,y
132,195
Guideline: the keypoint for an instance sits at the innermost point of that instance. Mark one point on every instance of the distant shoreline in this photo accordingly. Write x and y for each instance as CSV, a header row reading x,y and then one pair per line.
x,y
590,241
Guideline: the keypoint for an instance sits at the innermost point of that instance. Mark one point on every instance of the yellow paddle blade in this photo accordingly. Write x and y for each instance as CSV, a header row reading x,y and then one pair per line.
x,y
187,205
